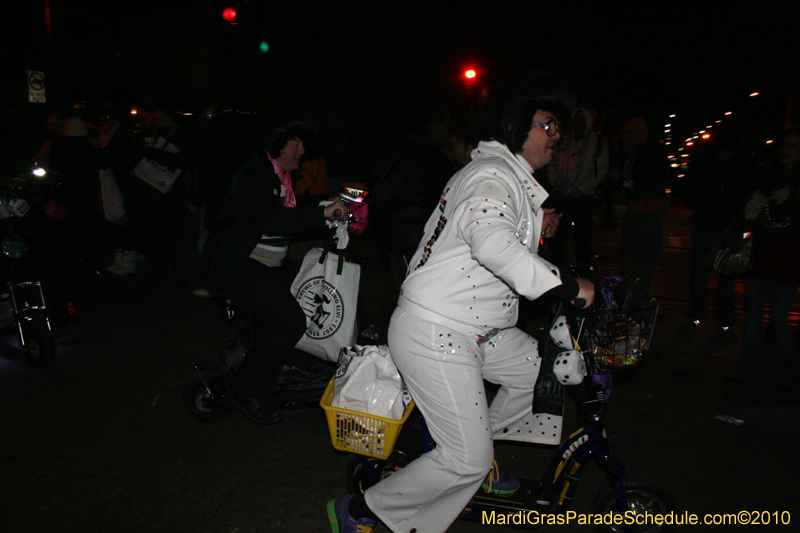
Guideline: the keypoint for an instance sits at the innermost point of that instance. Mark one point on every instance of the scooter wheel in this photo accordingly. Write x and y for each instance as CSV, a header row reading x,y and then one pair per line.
x,y
201,405
40,348
641,499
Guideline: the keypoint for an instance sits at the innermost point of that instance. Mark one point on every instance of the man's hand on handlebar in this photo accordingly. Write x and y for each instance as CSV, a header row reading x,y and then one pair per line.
x,y
337,210
585,294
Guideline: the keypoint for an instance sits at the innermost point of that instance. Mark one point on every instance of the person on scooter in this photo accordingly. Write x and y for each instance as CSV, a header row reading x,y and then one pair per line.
x,y
244,258
455,321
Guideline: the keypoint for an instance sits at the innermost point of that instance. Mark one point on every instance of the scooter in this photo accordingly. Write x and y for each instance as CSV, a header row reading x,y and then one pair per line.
x,y
22,302
207,400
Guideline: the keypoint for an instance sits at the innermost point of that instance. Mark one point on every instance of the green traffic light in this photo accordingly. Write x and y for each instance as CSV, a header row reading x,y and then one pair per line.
x,y
264,47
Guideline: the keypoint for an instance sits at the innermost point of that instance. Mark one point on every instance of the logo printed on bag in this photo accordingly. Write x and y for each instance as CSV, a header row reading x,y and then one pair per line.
x,y
323,306
346,356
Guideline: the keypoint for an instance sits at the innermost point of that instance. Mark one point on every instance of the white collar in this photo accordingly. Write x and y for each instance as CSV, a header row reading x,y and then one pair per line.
x,y
535,192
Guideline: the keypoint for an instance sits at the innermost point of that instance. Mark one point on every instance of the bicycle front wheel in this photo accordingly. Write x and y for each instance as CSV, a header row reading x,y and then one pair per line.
x,y
644,503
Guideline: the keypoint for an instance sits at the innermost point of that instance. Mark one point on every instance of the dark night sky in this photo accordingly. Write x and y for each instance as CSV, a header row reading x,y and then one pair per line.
x,y
656,57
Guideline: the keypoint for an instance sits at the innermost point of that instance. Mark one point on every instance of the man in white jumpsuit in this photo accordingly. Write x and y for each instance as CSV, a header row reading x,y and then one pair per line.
x,y
455,321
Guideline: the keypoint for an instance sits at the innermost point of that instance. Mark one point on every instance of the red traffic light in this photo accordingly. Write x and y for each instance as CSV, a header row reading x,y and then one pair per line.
x,y
229,14
470,74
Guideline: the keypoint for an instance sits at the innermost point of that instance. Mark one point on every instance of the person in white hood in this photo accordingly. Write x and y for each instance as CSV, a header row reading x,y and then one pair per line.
x,y
455,321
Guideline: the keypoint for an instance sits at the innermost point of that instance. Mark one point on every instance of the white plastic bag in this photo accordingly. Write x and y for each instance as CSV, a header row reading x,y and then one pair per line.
x,y
368,382
113,201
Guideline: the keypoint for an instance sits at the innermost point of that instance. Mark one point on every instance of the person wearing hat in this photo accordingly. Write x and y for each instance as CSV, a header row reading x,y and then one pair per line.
x,y
455,321
245,257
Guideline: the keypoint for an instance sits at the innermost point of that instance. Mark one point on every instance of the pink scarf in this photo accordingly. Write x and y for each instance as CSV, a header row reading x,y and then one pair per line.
x,y
286,180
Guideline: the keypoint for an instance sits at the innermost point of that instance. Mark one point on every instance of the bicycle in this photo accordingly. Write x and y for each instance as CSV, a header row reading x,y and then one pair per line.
x,y
611,337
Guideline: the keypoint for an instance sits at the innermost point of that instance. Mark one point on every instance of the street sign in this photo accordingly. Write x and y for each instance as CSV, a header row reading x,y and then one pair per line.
x,y
36,86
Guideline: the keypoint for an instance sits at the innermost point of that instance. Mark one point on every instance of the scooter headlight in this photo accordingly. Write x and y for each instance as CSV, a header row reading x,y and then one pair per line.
x,y
14,246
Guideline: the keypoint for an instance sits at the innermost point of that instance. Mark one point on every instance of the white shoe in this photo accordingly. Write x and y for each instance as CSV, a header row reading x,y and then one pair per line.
x,y
201,293
117,263
128,265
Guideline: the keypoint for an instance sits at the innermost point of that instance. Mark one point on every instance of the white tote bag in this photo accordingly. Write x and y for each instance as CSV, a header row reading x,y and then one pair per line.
x,y
113,201
327,289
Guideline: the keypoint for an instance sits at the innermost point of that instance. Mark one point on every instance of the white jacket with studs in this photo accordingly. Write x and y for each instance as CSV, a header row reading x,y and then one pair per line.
x,y
479,250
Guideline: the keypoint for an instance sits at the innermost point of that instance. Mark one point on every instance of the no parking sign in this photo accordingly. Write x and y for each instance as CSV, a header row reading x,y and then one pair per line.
x,y
36,86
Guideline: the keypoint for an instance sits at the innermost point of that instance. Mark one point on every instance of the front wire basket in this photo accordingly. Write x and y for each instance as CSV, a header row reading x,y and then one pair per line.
x,y
619,330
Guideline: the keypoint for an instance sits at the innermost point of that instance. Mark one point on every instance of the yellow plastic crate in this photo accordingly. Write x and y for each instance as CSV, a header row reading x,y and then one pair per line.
x,y
361,433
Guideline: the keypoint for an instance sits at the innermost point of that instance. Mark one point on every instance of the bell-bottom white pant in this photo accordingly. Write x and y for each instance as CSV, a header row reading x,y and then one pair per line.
x,y
444,372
